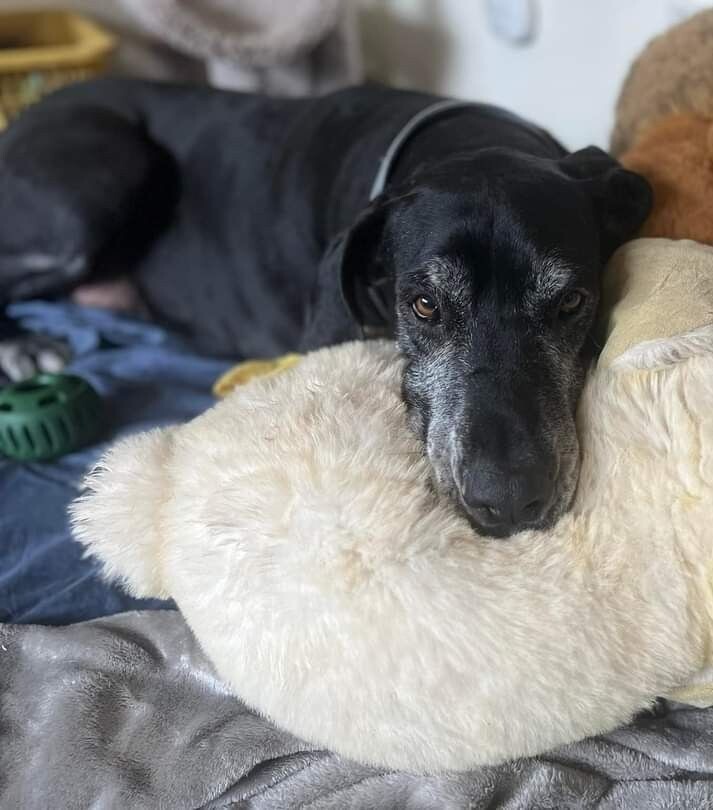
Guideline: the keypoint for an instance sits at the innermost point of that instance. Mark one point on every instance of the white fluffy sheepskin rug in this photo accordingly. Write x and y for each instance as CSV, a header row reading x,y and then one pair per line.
x,y
295,526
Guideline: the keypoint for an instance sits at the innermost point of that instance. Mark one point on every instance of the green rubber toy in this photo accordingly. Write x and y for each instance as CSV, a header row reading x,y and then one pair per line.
x,y
47,416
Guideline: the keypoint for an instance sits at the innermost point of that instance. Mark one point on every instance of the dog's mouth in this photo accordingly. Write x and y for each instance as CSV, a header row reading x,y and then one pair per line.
x,y
500,531
565,485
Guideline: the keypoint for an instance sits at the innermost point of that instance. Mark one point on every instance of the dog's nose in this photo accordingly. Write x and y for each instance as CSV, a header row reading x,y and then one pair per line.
x,y
501,503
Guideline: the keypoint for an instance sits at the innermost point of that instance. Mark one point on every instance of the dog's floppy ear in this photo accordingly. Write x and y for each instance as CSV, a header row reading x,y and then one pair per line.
x,y
622,199
354,294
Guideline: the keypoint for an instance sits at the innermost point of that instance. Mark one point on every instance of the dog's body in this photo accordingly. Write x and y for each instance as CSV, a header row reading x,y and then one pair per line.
x,y
245,222
257,188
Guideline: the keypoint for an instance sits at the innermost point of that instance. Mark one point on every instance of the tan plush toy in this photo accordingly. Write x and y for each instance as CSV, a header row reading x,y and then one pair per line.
x,y
673,75
664,128
676,156
296,528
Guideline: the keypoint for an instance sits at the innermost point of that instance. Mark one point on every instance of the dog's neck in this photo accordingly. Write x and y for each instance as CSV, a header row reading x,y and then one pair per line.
x,y
421,119
363,131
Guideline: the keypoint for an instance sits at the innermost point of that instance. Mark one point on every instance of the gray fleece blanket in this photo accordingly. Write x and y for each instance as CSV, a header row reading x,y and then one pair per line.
x,y
126,712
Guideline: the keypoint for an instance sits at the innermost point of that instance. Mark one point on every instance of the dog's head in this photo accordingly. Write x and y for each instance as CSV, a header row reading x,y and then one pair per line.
x,y
491,262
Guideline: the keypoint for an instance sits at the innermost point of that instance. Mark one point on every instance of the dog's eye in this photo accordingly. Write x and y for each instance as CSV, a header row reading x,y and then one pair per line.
x,y
571,302
424,307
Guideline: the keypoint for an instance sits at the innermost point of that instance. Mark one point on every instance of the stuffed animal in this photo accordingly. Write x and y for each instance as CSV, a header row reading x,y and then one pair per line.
x,y
676,157
664,129
297,530
672,75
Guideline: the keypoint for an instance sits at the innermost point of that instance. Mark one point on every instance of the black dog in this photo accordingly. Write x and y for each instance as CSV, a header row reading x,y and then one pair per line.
x,y
245,223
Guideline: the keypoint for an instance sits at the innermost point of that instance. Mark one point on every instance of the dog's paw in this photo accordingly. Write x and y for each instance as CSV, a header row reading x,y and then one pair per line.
x,y
23,356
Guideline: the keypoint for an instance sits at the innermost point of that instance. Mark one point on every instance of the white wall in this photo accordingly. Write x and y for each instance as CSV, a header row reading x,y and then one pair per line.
x,y
567,78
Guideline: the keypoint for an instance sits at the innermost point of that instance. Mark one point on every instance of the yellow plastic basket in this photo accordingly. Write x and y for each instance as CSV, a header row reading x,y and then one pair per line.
x,y
41,51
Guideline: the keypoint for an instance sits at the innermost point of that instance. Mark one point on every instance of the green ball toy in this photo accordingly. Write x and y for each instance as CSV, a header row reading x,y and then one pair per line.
x,y
47,416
